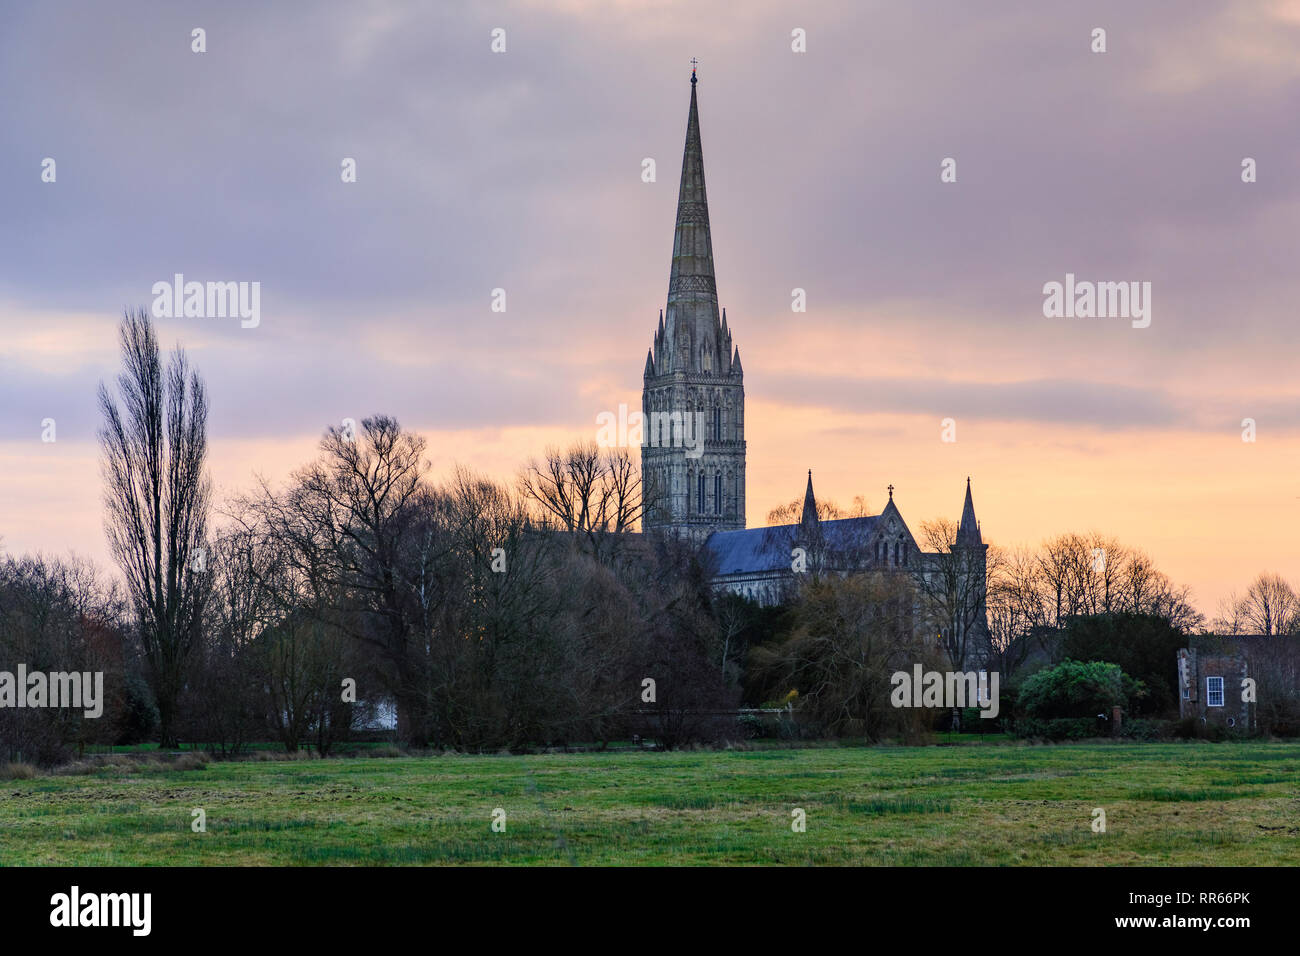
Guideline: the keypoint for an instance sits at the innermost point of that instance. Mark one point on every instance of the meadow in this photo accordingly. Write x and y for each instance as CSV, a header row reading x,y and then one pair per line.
x,y
1186,803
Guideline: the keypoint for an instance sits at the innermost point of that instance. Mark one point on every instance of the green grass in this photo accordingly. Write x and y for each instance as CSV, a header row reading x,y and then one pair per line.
x,y
1189,803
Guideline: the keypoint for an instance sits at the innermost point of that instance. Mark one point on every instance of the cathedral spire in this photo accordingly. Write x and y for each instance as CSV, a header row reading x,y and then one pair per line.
x,y
809,504
693,372
969,532
693,327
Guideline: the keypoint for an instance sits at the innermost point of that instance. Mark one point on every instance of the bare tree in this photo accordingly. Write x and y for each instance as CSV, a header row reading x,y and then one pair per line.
x,y
305,659
850,635
953,591
1061,568
1100,567
596,496
1227,619
59,615
225,690
792,511
1270,607
1174,603
361,529
1013,609
1034,594
156,497
501,687
734,615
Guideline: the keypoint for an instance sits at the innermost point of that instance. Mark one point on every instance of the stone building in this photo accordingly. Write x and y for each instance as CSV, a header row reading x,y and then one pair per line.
x,y
763,564
693,451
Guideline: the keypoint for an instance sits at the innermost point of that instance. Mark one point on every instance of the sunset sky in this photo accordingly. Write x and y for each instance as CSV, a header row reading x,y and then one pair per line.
x,y
522,170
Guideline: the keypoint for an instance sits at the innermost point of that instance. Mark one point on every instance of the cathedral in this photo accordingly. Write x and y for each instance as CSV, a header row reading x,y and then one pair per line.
x,y
693,452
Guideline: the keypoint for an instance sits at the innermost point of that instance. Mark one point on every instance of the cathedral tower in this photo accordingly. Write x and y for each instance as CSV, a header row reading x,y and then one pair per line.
x,y
693,396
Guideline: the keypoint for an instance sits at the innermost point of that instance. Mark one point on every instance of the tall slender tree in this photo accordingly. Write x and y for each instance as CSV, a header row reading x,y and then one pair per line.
x,y
156,497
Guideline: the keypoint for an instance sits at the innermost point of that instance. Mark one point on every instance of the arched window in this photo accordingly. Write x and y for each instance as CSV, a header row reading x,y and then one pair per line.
x,y
717,493
700,496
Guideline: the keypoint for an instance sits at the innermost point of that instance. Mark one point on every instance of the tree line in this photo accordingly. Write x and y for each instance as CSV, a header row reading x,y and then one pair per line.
x,y
489,614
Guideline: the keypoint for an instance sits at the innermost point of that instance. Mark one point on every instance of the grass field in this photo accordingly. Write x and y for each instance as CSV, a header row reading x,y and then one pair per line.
x,y
1193,803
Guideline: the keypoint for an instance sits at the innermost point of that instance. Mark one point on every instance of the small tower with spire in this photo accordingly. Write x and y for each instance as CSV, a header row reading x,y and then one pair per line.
x,y
693,394
809,518
808,532
968,532
971,554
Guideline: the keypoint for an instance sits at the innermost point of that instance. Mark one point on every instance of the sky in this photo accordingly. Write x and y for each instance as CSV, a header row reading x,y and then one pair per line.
x,y
522,170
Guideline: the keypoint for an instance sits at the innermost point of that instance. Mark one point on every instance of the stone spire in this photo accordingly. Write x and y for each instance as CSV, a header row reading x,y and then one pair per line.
x,y
694,338
968,534
693,377
809,504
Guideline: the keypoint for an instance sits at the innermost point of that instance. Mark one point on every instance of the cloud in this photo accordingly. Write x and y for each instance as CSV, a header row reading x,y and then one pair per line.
x,y
522,171
1045,401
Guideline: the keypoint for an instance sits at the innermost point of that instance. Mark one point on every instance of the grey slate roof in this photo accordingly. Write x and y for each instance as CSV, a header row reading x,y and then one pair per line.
x,y
759,550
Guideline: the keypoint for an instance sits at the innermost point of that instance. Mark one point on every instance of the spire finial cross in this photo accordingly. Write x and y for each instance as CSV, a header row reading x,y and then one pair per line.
x,y
693,63
891,492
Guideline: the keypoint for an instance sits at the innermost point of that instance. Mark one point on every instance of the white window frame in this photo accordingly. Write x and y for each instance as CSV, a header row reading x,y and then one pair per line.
x,y
1211,691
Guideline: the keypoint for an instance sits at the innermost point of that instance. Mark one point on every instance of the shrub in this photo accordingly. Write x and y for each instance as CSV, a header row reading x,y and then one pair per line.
x,y
1077,689
17,771
1058,728
1143,728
